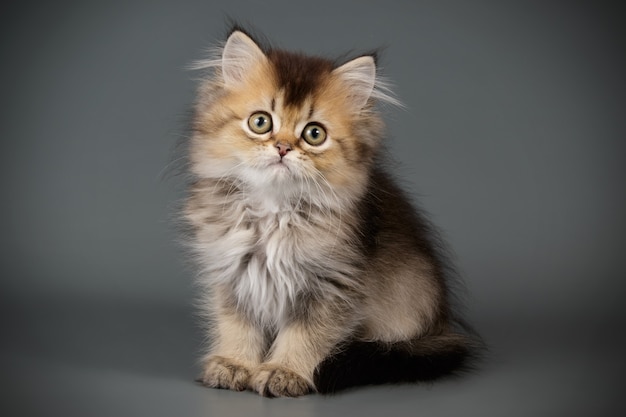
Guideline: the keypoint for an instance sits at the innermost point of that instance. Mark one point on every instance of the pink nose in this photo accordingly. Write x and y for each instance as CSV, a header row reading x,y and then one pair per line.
x,y
283,148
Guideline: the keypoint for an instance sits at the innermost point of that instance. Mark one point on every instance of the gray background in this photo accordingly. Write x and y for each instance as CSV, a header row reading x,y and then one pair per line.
x,y
513,139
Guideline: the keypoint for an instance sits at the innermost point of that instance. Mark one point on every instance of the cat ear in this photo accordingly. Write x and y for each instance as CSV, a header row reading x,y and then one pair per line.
x,y
359,75
239,56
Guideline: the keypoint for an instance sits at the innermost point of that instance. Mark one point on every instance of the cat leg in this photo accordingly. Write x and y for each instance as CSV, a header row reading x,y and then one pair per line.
x,y
297,350
237,348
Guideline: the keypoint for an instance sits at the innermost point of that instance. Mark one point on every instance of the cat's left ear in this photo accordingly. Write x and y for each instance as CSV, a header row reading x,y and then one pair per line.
x,y
359,76
241,54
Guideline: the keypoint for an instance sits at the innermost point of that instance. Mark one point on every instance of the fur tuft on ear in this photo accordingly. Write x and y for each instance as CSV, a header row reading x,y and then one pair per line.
x,y
239,55
359,75
363,82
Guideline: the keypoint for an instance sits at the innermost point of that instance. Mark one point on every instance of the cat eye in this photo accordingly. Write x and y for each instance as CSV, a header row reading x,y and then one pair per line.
x,y
314,134
260,122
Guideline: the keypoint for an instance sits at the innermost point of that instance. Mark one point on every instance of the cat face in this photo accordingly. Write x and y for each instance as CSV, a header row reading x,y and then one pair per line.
x,y
285,123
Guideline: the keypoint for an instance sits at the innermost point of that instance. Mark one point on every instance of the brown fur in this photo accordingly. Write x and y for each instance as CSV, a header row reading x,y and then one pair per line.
x,y
301,256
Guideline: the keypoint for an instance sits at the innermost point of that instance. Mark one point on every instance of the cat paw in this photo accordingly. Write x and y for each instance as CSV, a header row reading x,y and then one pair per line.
x,y
278,381
220,372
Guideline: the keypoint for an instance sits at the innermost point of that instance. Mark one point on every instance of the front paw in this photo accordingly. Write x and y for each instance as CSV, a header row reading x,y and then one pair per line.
x,y
278,381
220,372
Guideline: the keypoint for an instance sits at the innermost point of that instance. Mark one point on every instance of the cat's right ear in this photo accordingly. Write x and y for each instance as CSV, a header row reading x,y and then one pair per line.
x,y
240,55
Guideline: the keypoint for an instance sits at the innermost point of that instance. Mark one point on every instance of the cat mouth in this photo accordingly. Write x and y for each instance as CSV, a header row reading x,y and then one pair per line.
x,y
279,162
280,166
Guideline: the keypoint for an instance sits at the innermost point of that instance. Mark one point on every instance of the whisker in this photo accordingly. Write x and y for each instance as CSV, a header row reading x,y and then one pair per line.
x,y
325,188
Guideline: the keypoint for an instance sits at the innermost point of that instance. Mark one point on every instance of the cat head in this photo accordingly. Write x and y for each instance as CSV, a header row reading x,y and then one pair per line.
x,y
285,123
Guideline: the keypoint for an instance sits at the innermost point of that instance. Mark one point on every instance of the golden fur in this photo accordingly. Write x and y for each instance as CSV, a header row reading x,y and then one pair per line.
x,y
304,251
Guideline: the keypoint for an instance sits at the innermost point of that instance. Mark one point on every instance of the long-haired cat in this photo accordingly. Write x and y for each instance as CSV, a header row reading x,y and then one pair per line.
x,y
317,272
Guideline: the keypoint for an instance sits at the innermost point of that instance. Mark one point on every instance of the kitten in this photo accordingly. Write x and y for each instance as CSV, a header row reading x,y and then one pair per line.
x,y
317,273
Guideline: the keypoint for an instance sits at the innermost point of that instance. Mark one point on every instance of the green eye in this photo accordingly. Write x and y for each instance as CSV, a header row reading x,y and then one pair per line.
x,y
314,134
260,122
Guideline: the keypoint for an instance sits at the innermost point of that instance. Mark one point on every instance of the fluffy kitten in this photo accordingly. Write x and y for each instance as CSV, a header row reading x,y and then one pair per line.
x,y
317,272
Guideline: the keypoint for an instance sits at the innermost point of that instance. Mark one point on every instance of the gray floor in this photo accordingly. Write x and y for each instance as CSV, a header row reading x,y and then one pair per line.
x,y
512,137
113,359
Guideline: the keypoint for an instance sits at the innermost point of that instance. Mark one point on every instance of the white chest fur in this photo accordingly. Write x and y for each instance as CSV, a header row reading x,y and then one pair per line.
x,y
267,256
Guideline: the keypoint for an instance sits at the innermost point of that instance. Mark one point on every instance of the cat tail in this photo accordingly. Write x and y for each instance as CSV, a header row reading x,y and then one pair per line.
x,y
421,360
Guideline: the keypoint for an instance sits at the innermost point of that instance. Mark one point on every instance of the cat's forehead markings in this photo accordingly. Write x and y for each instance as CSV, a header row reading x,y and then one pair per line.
x,y
298,75
278,101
